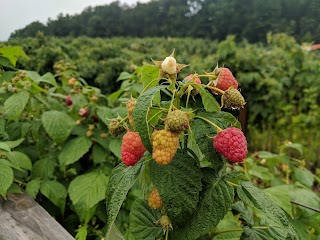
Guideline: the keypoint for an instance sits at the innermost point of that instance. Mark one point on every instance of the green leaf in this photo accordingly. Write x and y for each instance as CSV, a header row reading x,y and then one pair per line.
x,y
43,169
261,172
304,176
33,187
73,150
120,182
140,113
143,221
254,234
215,200
49,78
203,133
58,125
16,143
275,218
246,213
210,104
15,105
124,76
149,76
5,146
88,189
281,196
20,159
82,232
114,233
34,76
13,54
105,114
55,192
228,228
307,197
115,146
6,179
181,177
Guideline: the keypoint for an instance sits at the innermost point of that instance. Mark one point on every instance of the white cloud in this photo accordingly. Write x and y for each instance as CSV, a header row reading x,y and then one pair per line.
x,y
16,14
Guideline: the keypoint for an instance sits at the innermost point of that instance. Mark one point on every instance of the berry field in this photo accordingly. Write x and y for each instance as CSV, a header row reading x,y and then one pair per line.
x,y
159,138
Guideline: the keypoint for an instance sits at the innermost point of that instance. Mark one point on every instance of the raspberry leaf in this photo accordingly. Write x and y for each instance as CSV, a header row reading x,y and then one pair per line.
x,y
15,105
254,234
210,104
149,76
203,132
215,200
121,180
274,216
6,179
140,115
181,177
55,192
143,221
58,125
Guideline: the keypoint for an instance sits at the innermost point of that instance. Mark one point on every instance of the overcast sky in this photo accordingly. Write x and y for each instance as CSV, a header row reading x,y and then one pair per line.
x,y
16,14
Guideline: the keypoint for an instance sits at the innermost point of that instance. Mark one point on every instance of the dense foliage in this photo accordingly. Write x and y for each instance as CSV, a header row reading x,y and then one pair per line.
x,y
278,79
55,145
213,19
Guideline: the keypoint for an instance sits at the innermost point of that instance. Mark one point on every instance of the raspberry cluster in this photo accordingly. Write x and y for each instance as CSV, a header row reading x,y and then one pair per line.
x,y
164,145
232,144
132,148
154,199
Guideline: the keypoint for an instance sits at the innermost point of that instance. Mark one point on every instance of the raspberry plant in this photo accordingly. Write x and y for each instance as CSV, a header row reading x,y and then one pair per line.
x,y
193,179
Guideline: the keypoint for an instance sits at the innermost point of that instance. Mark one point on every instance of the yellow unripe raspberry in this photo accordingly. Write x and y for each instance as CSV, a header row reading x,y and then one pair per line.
x,y
130,107
154,199
164,145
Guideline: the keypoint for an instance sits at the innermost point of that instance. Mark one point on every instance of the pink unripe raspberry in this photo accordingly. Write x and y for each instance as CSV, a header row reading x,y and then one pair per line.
x,y
194,79
68,100
232,144
132,148
169,65
84,112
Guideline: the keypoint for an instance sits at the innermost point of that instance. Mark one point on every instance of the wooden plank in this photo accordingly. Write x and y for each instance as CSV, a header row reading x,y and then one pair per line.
x,y
21,218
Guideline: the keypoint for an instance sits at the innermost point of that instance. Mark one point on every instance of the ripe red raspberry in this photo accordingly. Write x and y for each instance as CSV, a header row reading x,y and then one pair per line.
x,y
84,112
68,100
192,78
154,199
132,148
225,79
177,121
232,144
130,105
164,146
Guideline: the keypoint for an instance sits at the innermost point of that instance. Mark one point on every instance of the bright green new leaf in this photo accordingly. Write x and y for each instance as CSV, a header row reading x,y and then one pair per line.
x,y
15,104
181,177
16,143
58,125
143,221
88,189
210,104
120,182
149,76
73,150
82,232
6,179
13,54
55,192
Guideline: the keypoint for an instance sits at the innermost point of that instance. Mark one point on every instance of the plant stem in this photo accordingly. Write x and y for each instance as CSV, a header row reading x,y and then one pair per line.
x,y
233,184
219,129
214,88
305,206
230,230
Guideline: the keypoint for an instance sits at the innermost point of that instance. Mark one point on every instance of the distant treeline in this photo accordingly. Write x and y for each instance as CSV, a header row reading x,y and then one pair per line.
x,y
213,19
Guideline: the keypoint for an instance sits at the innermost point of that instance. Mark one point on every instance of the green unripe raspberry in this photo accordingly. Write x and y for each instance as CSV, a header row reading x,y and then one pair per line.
x,y
233,99
177,121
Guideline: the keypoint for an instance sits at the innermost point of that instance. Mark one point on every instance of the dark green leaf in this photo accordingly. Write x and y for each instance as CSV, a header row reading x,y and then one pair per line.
x,y
15,105
140,113
181,177
73,150
143,221
215,200
58,125
254,234
120,182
